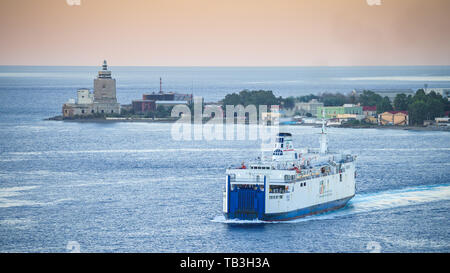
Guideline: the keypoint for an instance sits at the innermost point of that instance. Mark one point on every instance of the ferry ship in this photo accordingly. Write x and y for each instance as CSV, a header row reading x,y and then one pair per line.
x,y
290,184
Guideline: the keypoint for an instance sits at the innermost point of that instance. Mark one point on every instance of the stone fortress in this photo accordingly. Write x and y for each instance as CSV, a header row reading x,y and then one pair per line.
x,y
103,101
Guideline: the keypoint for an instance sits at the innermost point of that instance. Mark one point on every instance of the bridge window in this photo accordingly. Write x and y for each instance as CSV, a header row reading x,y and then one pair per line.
x,y
278,152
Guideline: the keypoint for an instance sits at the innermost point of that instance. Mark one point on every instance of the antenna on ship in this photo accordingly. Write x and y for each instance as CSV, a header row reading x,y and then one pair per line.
x,y
323,137
160,85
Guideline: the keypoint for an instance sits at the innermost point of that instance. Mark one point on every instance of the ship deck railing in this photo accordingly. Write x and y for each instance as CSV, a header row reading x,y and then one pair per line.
x,y
299,177
288,167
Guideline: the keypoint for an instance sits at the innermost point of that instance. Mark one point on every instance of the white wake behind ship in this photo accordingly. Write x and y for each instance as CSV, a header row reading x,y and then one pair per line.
x,y
290,184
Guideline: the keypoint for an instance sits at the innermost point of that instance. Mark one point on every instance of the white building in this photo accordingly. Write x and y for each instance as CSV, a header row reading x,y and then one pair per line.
x,y
444,92
308,107
84,96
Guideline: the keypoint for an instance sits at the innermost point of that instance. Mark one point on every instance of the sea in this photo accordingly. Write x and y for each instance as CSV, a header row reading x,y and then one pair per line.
x,y
132,187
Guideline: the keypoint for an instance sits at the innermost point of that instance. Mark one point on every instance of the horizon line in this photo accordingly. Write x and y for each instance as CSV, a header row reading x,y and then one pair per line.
x,y
253,66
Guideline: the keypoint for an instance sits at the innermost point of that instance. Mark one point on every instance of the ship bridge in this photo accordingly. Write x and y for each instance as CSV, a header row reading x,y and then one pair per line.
x,y
284,149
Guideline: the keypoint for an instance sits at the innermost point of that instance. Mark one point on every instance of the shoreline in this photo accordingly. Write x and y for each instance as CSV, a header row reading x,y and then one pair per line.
x,y
393,127
173,120
381,127
113,119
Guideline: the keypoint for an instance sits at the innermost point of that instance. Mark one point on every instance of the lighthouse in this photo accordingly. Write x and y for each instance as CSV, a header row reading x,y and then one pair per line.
x,y
105,100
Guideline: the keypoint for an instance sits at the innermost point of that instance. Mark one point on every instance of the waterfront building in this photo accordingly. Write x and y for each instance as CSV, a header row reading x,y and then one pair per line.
x,y
150,102
371,119
442,121
102,101
370,111
170,96
83,105
308,120
429,123
84,96
346,117
143,106
271,117
308,107
334,111
394,118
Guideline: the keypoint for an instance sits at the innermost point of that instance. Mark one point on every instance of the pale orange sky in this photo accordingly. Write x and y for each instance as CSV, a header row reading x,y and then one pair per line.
x,y
225,32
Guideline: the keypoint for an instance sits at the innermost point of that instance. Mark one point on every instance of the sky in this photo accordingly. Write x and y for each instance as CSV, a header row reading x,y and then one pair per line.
x,y
225,32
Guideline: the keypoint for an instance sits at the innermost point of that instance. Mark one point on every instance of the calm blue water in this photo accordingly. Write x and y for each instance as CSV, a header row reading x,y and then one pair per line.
x,y
127,187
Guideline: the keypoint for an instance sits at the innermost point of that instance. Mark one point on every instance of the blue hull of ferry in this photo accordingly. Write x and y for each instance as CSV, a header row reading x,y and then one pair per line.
x,y
256,213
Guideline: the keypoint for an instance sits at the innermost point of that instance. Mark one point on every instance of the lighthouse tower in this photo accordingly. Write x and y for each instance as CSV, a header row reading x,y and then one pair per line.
x,y
105,86
105,101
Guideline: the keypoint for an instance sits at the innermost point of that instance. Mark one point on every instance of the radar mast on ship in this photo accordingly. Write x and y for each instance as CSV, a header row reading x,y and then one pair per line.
x,y
323,137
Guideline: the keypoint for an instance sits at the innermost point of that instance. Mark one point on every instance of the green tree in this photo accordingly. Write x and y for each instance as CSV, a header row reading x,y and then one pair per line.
x,y
420,95
384,105
255,97
336,99
370,98
417,112
288,102
435,108
231,99
410,100
401,102
425,106
306,98
353,99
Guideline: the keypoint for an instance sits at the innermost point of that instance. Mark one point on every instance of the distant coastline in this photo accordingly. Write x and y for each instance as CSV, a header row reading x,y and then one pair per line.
x,y
361,108
113,119
173,120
